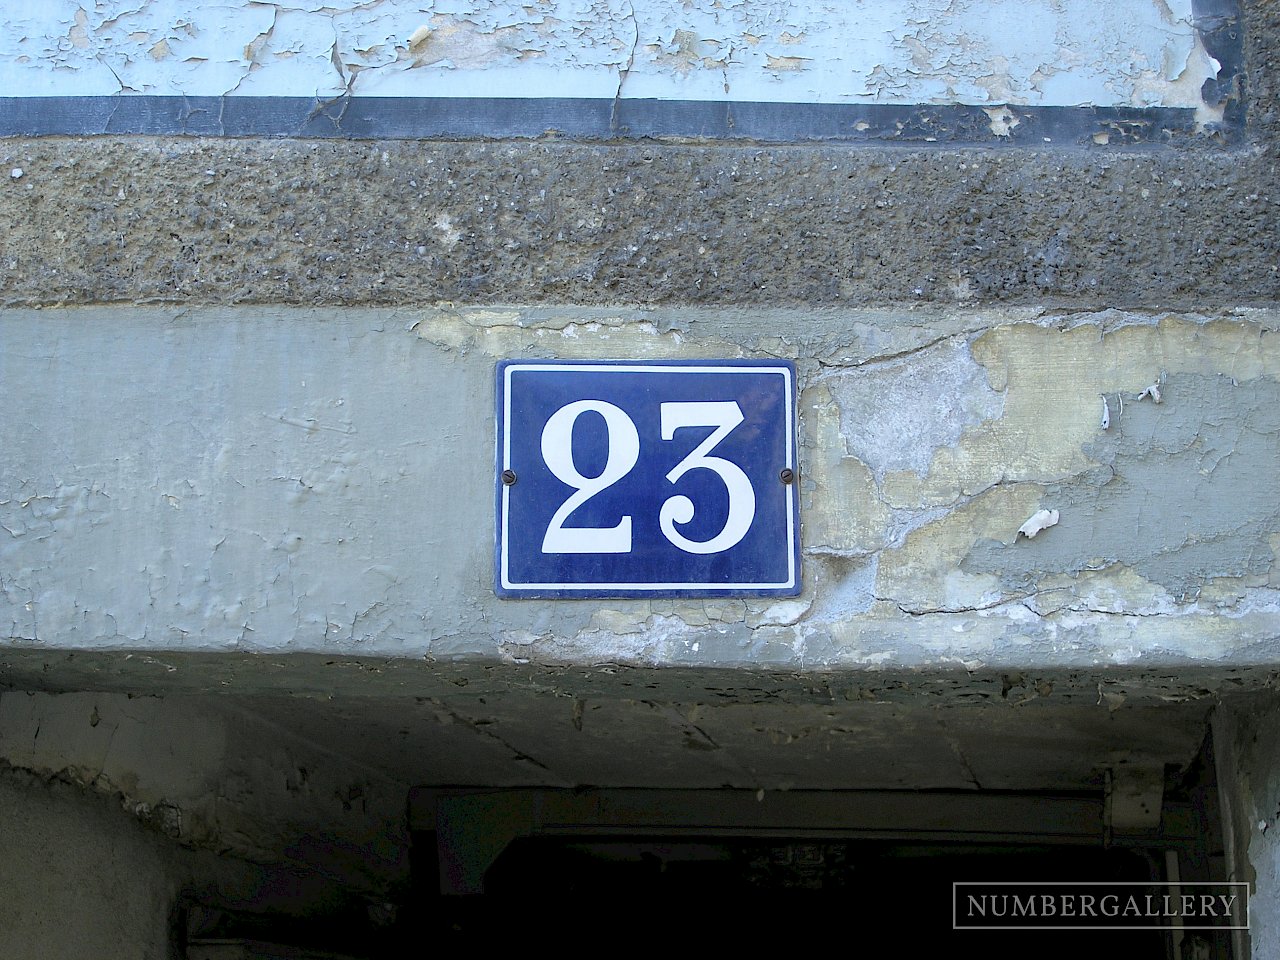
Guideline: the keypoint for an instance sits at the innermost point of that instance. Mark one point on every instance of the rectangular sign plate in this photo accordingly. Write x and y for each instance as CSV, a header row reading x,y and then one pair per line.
x,y
646,479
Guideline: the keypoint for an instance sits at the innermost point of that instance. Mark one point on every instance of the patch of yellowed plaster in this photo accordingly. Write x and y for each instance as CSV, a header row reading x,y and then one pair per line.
x,y
726,610
1052,380
614,621
1222,594
509,332
999,83
924,573
1102,587
1181,82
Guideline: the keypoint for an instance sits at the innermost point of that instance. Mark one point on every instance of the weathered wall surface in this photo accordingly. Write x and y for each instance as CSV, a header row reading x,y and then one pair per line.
x,y
210,775
218,471
80,880
274,496
248,446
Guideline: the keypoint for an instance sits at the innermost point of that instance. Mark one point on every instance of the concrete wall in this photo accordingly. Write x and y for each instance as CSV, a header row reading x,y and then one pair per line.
x,y
82,878
97,872
248,453
1245,739
271,496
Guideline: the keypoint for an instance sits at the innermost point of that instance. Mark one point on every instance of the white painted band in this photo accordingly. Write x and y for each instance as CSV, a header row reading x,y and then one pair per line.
x,y
1137,53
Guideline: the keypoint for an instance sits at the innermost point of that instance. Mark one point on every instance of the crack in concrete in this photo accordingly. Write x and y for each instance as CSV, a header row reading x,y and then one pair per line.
x,y
517,755
834,369
625,71
954,745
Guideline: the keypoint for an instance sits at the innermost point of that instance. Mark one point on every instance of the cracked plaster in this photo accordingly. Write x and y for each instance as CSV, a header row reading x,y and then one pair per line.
x,y
92,222
274,498
1140,53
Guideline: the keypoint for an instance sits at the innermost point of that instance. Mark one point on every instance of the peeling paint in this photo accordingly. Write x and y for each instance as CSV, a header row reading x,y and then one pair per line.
x,y
1138,53
1179,501
1003,120
273,497
1038,521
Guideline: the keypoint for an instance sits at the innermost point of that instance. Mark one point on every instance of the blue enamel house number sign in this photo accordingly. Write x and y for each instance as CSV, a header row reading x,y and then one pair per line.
x,y
646,479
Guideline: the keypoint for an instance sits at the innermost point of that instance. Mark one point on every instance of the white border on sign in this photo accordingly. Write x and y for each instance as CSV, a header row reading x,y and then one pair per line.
x,y
790,492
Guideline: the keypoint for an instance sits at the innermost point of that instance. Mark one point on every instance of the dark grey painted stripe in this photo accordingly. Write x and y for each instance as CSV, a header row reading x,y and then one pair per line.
x,y
1222,32
1217,21
585,119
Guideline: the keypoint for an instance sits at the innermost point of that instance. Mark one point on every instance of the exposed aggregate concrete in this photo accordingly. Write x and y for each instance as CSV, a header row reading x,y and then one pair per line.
x,y
116,220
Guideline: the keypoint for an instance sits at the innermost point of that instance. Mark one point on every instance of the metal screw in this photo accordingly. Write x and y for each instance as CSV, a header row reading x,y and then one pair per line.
x,y
508,477
787,475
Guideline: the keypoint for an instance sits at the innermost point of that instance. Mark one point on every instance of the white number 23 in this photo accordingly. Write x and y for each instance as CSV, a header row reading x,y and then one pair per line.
x,y
623,445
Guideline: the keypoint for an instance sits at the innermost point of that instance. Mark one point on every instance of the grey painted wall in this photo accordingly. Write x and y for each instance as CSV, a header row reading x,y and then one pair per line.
x,y
248,390
83,879
270,480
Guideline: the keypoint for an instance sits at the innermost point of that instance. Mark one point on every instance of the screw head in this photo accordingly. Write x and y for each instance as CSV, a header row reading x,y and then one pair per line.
x,y
508,477
787,475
